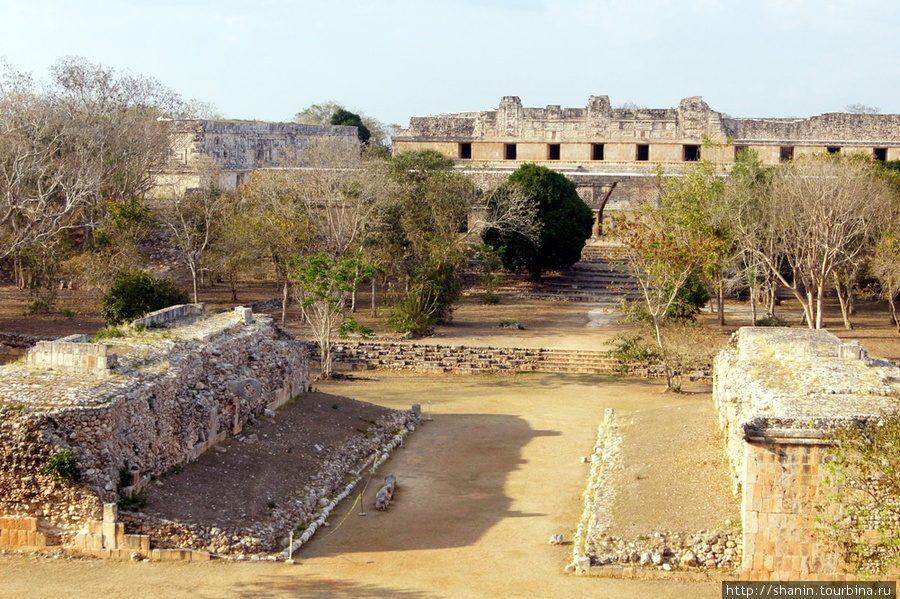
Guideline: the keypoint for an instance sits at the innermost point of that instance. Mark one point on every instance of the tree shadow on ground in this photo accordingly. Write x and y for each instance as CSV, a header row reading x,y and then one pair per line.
x,y
451,478
314,588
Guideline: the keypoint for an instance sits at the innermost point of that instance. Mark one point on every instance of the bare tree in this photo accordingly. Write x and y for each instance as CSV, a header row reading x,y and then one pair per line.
x,y
71,147
44,187
821,214
309,204
885,266
857,108
190,216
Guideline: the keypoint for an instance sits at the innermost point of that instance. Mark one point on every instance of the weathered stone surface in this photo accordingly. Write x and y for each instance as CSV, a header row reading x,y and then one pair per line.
x,y
779,392
166,402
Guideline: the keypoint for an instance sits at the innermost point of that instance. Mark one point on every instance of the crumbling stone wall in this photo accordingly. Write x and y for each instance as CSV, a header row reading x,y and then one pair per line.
x,y
778,393
172,395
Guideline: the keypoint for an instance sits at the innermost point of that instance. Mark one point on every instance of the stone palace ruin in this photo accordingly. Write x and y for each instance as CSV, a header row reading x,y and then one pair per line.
x,y
83,425
613,154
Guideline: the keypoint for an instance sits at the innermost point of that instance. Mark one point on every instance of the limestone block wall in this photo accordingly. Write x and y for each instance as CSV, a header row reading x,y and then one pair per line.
x,y
78,357
169,399
21,534
170,314
782,480
779,392
460,359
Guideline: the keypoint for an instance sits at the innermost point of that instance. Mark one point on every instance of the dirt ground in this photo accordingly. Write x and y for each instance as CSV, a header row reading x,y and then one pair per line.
x,y
239,483
481,487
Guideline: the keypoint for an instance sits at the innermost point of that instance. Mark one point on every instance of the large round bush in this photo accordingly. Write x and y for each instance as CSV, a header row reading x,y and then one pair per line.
x,y
135,293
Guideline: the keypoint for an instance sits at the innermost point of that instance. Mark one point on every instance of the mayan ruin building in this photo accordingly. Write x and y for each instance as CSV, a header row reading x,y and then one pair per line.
x,y
239,147
611,152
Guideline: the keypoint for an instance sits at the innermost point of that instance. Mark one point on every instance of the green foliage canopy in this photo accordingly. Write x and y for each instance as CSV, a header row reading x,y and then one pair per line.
x,y
135,293
565,219
345,117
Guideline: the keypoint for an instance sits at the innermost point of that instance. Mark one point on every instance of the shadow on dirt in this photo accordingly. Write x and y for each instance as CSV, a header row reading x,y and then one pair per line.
x,y
451,478
313,588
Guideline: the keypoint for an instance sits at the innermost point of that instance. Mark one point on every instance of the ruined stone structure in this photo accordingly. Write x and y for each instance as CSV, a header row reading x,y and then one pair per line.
x,y
237,148
609,152
778,393
168,397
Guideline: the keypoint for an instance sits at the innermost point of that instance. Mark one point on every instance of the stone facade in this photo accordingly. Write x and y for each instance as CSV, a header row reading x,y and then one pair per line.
x,y
778,393
613,153
599,138
237,148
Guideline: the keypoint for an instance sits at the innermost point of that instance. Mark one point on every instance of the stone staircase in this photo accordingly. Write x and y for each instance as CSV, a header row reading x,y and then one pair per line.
x,y
598,277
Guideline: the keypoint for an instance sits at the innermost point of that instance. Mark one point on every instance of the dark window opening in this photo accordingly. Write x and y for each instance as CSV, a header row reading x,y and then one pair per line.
x,y
691,153
739,149
465,151
787,153
880,153
643,153
597,152
833,149
553,152
510,151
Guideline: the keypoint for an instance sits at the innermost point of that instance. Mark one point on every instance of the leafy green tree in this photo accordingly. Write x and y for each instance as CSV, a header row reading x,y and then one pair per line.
x,y
425,223
663,254
136,293
565,221
347,118
743,200
696,202
422,231
323,286
379,142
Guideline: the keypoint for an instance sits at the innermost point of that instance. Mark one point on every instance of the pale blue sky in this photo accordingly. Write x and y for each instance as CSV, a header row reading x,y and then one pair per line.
x,y
393,59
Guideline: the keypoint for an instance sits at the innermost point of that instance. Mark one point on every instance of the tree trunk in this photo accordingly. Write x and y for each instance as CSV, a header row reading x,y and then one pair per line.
x,y
662,351
284,301
754,293
720,301
820,301
374,306
894,313
844,301
770,300
193,268
325,351
232,285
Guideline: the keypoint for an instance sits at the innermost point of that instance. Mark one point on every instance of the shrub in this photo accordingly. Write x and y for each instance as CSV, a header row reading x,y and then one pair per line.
x,y
689,300
772,321
428,303
135,503
110,333
135,293
62,467
632,349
